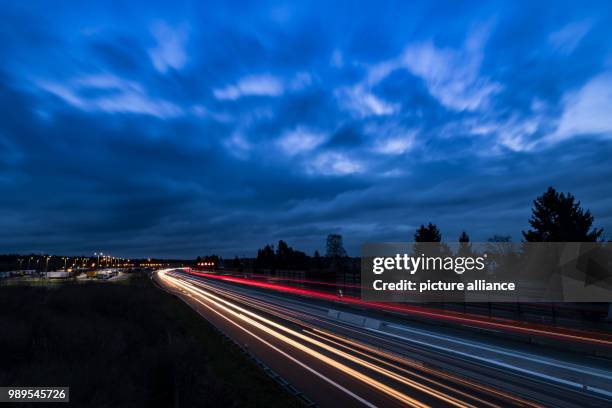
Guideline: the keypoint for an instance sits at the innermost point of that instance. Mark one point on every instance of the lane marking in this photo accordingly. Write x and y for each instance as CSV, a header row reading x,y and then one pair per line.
x,y
291,358
516,354
354,373
499,363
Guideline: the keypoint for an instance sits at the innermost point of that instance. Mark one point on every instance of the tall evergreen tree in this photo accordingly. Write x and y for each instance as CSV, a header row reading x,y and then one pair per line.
x,y
558,217
465,248
425,236
266,258
335,247
429,233
283,255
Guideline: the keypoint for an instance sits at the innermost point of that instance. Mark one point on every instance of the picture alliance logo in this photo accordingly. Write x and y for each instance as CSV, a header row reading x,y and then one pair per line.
x,y
413,264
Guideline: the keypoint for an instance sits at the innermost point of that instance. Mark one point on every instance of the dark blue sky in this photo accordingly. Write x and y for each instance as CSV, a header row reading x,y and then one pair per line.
x,y
178,129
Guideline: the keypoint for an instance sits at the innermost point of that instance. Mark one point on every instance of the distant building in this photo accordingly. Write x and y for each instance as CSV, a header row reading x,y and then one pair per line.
x,y
58,275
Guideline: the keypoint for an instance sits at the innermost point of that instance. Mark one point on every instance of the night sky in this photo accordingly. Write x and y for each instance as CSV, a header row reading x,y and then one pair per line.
x,y
181,129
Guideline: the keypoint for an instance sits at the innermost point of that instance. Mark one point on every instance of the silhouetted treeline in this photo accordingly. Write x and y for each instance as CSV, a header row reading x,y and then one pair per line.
x,y
556,217
284,258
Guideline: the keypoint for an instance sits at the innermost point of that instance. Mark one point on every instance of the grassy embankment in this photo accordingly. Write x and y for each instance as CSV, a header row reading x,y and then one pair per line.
x,y
124,344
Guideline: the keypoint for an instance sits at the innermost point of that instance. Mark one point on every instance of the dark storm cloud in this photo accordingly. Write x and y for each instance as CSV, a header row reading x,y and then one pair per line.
x,y
180,129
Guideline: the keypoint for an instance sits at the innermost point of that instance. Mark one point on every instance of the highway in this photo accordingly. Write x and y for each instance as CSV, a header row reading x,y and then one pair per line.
x,y
344,356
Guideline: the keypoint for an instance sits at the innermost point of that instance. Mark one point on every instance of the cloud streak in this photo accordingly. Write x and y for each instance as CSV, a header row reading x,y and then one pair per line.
x,y
174,133
169,51
252,85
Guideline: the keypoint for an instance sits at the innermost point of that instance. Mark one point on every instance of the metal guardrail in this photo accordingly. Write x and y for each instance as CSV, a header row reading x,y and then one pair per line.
x,y
286,385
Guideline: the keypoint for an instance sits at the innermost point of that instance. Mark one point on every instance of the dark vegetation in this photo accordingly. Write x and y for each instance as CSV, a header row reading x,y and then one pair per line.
x,y
124,345
285,258
556,217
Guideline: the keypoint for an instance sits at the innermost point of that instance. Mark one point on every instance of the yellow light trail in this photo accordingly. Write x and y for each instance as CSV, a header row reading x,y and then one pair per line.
x,y
491,391
347,370
373,367
411,383
438,373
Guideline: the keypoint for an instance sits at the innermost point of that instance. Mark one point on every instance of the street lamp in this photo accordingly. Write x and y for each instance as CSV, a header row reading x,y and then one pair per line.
x,y
98,254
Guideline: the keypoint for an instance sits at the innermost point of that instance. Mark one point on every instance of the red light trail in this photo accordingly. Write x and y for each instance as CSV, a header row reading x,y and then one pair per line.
x,y
491,323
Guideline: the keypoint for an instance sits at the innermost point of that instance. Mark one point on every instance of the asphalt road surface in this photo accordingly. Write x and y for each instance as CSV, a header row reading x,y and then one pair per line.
x,y
341,357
